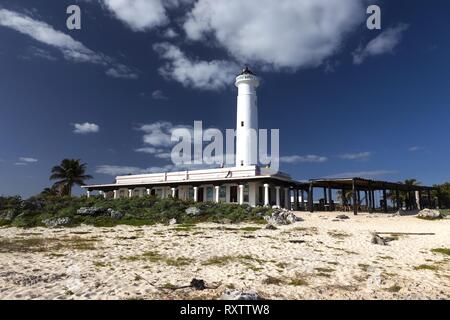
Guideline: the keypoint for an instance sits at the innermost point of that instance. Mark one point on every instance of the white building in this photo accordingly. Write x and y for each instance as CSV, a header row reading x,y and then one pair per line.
x,y
246,183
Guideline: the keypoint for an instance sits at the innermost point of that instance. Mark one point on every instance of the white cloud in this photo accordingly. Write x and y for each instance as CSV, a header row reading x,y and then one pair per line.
x,y
385,42
157,134
356,156
170,33
198,74
302,159
361,174
414,148
84,128
71,49
159,95
20,164
28,160
149,150
139,15
277,34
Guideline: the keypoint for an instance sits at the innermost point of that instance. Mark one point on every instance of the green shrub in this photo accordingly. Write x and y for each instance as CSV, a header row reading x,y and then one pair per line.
x,y
137,211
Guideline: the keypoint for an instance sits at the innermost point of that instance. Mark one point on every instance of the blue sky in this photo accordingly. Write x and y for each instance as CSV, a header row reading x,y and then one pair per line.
x,y
348,101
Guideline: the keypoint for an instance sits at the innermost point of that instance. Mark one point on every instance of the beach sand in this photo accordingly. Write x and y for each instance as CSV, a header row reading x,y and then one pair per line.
x,y
317,258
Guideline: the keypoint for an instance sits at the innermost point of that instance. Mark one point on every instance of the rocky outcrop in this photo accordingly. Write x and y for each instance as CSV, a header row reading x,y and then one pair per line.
x,y
282,217
56,222
92,211
240,295
193,211
8,215
430,214
116,215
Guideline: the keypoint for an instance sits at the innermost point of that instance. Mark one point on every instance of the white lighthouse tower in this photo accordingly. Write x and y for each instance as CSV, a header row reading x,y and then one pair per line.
x,y
247,119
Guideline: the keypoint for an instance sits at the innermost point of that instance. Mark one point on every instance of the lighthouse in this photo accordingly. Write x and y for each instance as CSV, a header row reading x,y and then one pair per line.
x,y
247,119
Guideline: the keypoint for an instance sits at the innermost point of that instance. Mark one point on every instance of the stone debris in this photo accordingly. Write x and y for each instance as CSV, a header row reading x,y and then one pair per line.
x,y
173,221
430,214
271,227
342,217
193,211
240,295
116,215
91,211
56,222
282,217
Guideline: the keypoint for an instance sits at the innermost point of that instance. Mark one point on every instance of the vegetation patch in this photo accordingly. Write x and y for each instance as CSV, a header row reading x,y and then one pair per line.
x,y
155,257
338,234
426,267
272,281
444,251
45,244
298,282
394,288
136,211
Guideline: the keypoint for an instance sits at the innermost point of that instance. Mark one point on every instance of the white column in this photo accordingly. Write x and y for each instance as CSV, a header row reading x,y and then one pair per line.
x,y
105,194
174,192
217,194
266,194
286,199
115,194
196,194
148,192
88,193
278,197
241,194
130,193
417,194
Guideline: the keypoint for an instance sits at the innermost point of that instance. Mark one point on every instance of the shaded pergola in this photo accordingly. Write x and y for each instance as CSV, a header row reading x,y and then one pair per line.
x,y
414,195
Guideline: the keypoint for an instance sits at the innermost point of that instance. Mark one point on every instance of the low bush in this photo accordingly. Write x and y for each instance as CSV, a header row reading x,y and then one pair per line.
x,y
136,211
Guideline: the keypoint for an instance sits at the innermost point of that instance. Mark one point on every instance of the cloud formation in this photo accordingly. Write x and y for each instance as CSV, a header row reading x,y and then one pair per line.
x,y
356,156
302,159
384,43
276,34
198,74
71,49
84,128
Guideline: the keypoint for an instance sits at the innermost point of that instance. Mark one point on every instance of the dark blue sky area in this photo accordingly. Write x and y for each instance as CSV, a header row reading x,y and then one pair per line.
x,y
384,118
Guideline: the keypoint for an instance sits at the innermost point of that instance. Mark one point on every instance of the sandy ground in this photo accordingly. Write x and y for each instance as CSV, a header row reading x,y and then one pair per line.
x,y
315,259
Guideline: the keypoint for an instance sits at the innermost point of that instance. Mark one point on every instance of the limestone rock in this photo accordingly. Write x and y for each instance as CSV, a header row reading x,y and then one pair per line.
x,y
8,215
56,222
282,217
92,211
342,217
240,295
271,227
430,214
173,221
193,211
116,215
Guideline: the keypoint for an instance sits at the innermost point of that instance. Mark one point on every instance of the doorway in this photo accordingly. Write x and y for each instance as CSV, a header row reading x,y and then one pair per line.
x,y
233,194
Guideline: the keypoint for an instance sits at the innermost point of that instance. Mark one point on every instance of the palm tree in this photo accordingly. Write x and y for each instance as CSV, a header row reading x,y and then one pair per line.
x,y
50,192
69,173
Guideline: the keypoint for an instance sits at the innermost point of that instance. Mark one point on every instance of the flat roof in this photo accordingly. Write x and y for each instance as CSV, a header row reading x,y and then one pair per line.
x,y
365,184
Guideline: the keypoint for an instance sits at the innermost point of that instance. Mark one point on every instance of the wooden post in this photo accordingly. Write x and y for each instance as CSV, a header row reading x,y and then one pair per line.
x,y
385,207
325,200
330,199
366,199
430,206
355,202
302,192
399,202
370,199
311,198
